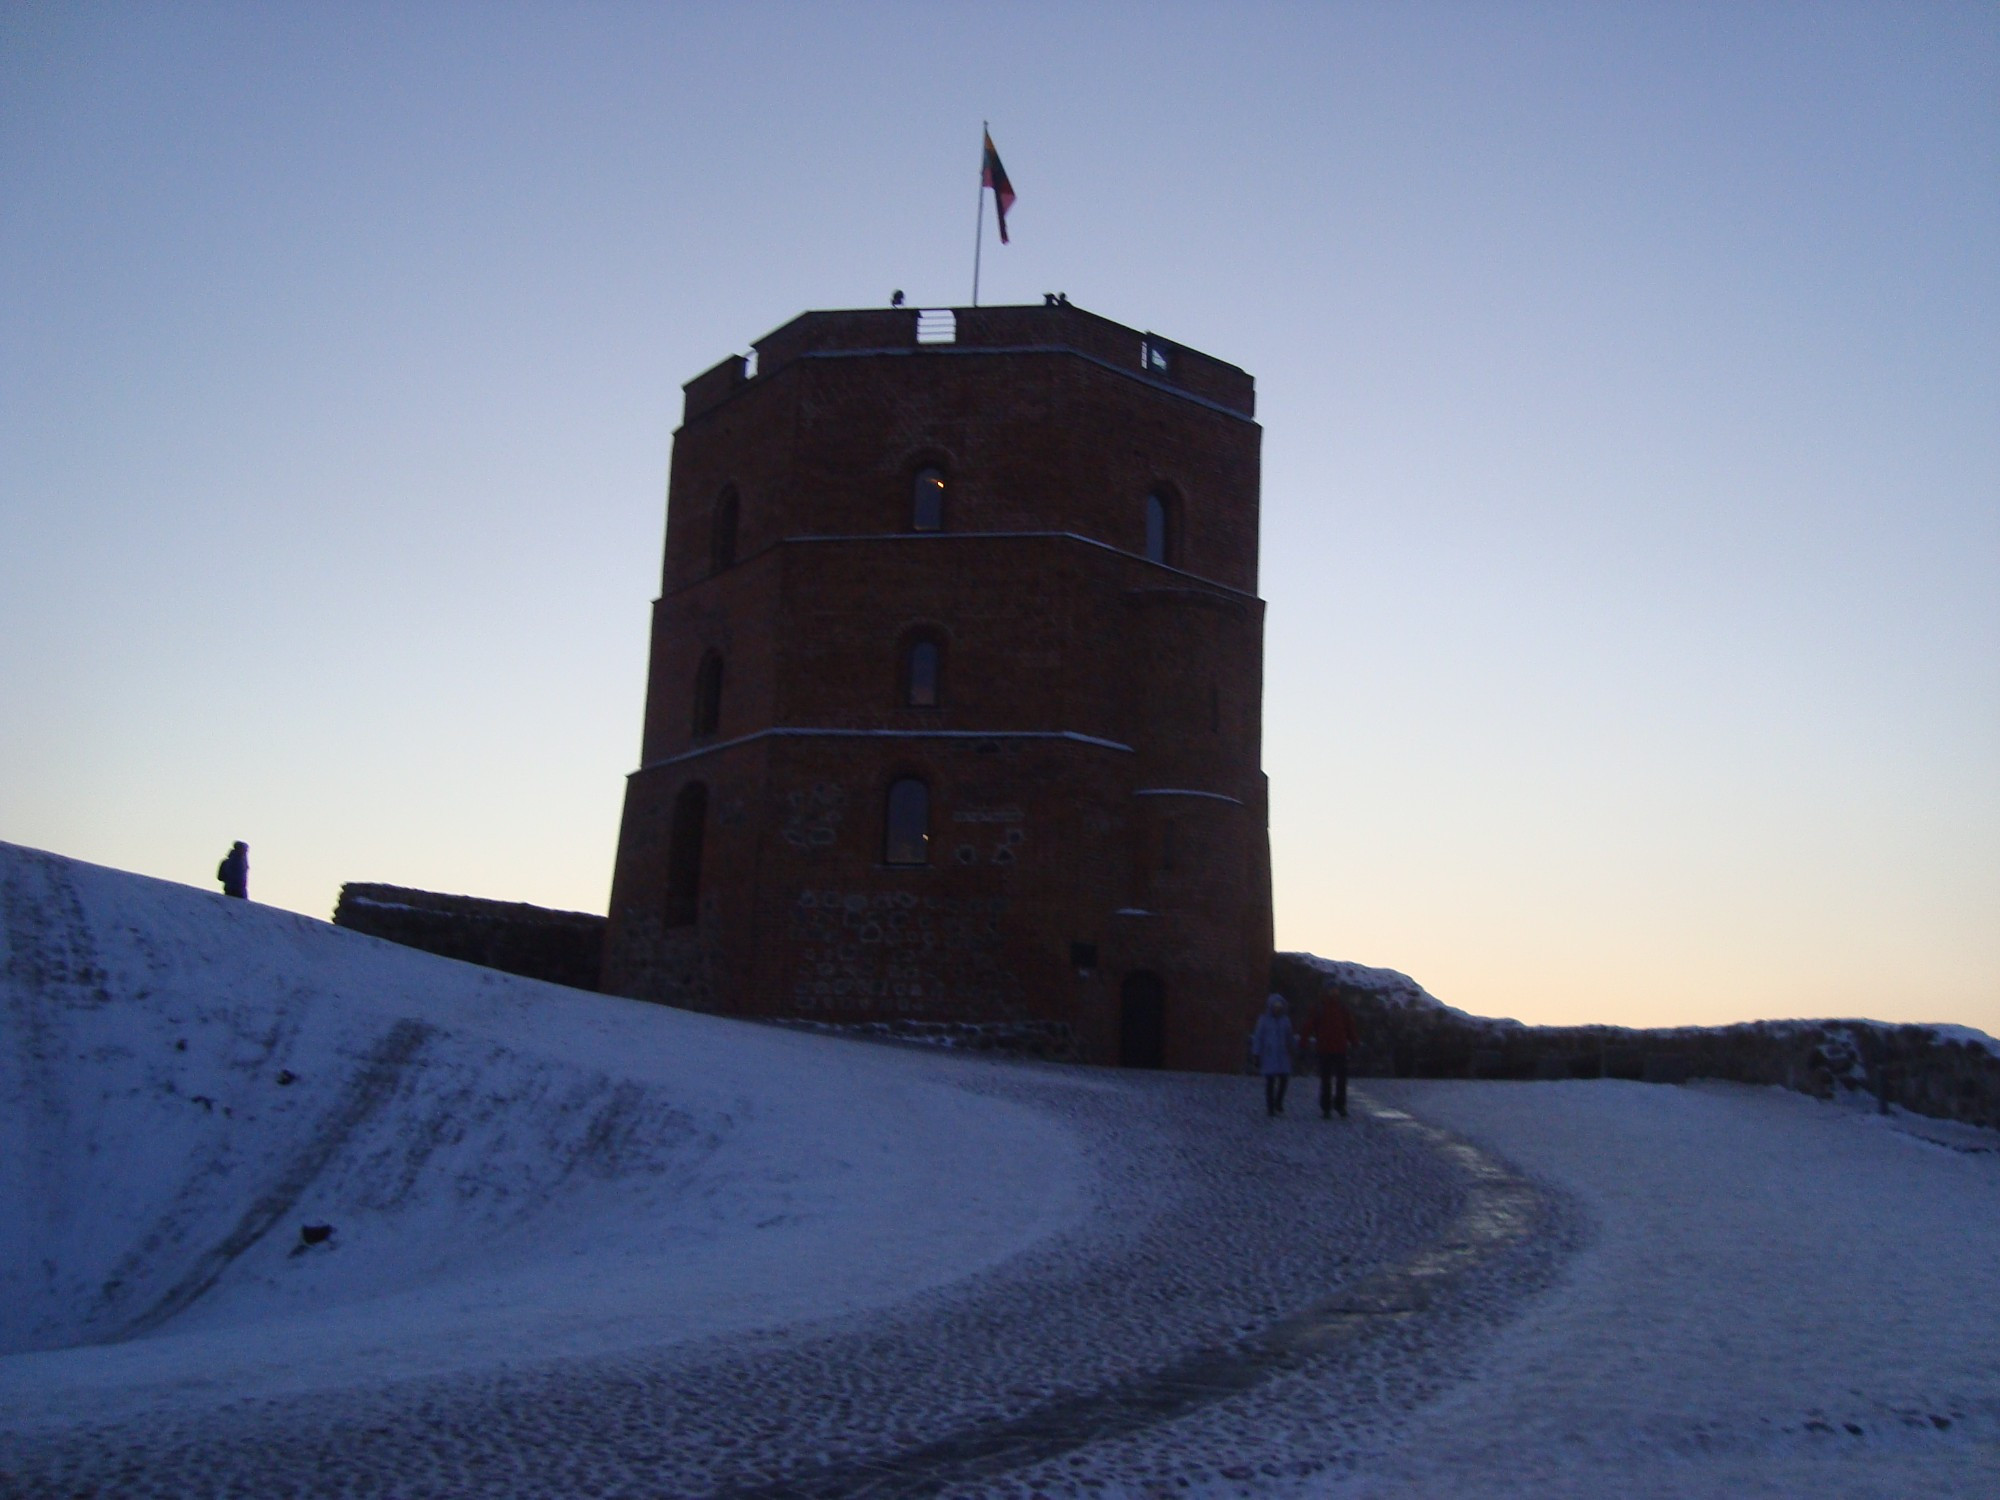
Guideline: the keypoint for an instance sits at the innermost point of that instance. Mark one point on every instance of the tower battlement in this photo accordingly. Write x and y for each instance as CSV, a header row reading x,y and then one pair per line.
x,y
1045,329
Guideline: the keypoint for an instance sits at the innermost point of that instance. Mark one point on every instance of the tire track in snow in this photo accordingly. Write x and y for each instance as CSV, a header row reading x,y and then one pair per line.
x,y
372,1087
50,961
51,965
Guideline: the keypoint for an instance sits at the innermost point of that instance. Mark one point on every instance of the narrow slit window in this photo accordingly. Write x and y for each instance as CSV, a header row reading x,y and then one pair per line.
x,y
907,834
1158,540
920,675
722,532
927,503
684,855
708,695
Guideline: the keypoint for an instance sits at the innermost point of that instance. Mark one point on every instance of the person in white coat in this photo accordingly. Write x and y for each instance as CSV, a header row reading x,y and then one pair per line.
x,y
1271,1045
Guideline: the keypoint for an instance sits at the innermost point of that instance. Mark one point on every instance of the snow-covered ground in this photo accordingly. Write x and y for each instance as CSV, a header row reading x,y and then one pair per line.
x,y
586,1246
1778,1296
511,1171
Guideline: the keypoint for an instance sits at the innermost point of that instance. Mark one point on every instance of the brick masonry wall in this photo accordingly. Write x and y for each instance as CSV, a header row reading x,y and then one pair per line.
x,y
1031,442
1044,849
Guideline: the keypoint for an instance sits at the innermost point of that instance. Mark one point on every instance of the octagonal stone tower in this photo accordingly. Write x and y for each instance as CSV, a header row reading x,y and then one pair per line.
x,y
956,685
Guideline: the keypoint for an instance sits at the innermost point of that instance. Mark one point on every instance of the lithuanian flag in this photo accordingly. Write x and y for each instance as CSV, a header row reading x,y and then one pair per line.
x,y
993,175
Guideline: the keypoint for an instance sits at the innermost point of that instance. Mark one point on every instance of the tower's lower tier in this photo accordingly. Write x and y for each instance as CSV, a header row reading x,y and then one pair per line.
x,y
1044,887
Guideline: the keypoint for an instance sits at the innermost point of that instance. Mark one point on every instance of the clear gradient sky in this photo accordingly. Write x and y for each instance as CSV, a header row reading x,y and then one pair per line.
x,y
1630,377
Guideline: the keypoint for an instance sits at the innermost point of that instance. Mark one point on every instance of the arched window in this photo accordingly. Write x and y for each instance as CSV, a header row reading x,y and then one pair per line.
x,y
722,531
927,501
1159,529
921,673
684,855
708,695
906,830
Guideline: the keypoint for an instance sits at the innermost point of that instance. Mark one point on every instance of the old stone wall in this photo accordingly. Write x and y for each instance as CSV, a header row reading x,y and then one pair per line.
x,y
1405,1033
563,947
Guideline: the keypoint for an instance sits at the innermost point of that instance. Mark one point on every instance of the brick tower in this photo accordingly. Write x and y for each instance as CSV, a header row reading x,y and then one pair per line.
x,y
957,673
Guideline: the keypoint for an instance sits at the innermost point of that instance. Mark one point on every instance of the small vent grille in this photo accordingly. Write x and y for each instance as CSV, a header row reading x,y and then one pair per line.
x,y
937,325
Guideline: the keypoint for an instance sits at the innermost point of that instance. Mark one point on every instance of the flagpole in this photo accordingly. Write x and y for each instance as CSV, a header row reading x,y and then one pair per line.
x,y
979,213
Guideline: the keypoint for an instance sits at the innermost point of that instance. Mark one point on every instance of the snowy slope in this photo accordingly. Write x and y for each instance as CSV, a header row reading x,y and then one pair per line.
x,y
511,1170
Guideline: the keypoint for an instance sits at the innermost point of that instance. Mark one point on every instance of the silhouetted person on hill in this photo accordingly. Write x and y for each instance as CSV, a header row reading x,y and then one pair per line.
x,y
234,871
1332,1034
1271,1046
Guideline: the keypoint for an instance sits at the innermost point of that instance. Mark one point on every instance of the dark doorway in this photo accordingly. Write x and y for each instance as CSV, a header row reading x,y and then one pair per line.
x,y
1142,1022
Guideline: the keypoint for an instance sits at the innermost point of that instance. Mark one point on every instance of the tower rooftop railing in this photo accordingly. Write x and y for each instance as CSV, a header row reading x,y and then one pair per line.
x,y
1052,327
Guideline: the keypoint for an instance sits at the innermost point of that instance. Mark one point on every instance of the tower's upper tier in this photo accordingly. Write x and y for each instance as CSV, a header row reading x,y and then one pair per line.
x,y
961,432
1050,328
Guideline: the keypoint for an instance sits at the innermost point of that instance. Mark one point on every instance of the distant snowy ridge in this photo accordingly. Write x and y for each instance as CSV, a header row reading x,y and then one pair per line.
x,y
1387,987
1947,1071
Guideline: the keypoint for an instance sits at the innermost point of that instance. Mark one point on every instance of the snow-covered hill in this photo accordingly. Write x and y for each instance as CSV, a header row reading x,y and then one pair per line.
x,y
508,1169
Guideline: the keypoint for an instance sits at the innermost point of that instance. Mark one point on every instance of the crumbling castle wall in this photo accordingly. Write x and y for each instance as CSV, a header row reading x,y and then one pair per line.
x,y
1945,1072
562,947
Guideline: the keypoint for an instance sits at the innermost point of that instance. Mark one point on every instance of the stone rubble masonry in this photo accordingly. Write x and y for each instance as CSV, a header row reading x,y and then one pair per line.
x,y
1406,1033
563,947
1098,810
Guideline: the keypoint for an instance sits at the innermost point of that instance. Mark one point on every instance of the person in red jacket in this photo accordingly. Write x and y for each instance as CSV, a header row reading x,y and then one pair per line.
x,y
1332,1034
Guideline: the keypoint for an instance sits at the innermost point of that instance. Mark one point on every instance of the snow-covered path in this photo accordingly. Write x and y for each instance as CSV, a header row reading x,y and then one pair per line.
x,y
1779,1297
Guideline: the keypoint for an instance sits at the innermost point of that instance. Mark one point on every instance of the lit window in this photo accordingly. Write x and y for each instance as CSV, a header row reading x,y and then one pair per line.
x,y
927,504
920,675
708,695
684,855
907,827
722,532
1158,540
